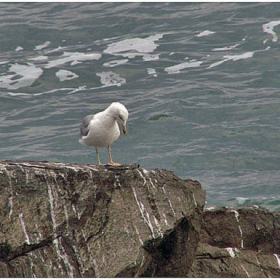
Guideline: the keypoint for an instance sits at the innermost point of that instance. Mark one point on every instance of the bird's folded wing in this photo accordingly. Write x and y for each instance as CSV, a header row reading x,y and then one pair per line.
x,y
84,126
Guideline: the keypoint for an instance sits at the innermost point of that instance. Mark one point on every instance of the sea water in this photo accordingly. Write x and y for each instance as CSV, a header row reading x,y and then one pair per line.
x,y
200,80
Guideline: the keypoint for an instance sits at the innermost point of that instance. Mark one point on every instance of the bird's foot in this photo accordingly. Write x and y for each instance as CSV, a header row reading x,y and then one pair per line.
x,y
114,163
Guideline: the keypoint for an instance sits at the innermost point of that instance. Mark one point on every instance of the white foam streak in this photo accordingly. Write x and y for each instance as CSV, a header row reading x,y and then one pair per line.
x,y
114,63
40,47
233,58
65,75
140,45
111,79
268,28
74,58
240,56
24,75
152,72
177,68
226,48
39,58
205,33
18,48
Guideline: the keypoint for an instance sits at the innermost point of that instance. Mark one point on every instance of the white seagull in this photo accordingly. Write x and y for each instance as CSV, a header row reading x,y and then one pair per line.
x,y
101,129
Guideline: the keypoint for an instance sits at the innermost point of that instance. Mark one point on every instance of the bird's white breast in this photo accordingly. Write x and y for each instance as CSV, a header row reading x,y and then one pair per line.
x,y
101,133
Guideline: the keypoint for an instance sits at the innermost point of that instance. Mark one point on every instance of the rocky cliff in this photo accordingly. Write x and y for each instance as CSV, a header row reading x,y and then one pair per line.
x,y
238,242
70,220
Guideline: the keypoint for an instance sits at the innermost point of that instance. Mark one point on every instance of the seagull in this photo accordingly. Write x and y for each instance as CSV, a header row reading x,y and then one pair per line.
x,y
101,129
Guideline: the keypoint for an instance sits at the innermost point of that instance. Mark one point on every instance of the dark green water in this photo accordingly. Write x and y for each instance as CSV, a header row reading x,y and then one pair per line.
x,y
200,80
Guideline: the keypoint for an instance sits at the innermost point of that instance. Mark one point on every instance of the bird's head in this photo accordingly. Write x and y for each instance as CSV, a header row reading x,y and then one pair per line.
x,y
122,115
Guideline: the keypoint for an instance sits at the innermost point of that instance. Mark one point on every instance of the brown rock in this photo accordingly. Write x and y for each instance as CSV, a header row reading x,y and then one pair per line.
x,y
238,242
70,220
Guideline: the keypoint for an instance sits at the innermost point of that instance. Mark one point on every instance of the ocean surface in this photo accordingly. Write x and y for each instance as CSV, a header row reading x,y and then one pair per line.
x,y
201,82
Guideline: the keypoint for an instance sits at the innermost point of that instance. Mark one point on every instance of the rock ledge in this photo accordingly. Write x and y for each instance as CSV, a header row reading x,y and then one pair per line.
x,y
70,220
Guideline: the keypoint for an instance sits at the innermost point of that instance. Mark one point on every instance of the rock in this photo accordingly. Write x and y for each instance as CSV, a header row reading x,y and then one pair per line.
x,y
70,220
238,242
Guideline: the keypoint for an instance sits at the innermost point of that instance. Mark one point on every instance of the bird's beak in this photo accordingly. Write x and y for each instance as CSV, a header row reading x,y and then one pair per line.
x,y
124,128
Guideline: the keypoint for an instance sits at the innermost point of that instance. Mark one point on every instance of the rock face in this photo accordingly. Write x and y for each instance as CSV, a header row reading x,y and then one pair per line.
x,y
69,220
238,242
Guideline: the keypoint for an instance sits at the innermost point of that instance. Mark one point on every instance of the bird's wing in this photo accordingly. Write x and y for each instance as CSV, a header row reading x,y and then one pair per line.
x,y
84,126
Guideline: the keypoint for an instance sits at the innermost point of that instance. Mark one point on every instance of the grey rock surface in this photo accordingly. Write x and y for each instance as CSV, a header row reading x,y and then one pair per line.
x,y
70,220
238,242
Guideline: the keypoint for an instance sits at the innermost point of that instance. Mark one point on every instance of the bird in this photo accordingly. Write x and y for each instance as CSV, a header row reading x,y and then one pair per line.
x,y
101,129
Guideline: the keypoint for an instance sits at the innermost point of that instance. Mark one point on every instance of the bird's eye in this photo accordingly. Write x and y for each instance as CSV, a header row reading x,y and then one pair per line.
x,y
121,118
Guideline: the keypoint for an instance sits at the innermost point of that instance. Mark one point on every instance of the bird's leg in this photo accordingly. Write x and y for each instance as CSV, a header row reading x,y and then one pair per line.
x,y
98,158
110,158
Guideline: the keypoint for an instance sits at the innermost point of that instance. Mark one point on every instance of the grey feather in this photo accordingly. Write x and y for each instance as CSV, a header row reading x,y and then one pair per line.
x,y
84,125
